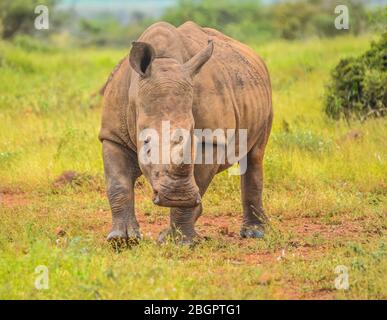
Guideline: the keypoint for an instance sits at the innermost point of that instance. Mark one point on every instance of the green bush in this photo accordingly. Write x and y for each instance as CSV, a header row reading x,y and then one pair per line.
x,y
245,20
29,44
252,20
17,16
358,85
378,19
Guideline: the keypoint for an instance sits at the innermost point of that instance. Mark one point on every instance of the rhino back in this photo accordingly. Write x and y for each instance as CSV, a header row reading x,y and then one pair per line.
x,y
233,89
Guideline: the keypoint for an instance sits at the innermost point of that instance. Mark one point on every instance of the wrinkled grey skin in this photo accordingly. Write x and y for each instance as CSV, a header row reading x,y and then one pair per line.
x,y
196,78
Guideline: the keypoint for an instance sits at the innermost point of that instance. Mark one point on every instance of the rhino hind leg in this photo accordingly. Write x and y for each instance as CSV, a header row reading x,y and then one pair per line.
x,y
251,184
254,218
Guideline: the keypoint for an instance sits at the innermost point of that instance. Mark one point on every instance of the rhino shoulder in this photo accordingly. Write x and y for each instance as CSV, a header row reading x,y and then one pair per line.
x,y
115,102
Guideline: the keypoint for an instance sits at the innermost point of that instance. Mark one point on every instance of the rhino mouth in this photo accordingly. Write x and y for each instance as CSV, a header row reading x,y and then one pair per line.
x,y
169,199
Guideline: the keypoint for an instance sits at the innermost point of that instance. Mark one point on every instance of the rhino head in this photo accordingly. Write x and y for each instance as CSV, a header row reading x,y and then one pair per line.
x,y
164,100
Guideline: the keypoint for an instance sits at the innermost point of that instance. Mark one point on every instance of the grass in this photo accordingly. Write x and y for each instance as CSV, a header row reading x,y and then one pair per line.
x,y
325,192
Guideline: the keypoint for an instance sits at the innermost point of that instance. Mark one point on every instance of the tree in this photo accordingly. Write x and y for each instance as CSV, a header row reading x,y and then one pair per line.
x,y
17,16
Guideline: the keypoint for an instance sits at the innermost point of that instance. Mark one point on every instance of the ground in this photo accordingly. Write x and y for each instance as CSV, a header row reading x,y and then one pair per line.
x,y
325,191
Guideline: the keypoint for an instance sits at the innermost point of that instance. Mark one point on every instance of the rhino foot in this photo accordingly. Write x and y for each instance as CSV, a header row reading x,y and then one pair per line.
x,y
177,237
255,231
119,239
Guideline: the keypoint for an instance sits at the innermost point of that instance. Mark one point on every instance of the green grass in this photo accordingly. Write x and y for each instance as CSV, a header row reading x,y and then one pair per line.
x,y
325,194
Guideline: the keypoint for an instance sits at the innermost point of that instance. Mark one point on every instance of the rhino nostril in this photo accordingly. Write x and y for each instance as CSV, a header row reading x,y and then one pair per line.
x,y
156,198
178,140
147,140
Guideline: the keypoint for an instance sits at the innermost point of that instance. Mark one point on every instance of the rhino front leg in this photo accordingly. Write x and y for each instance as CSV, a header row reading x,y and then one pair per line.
x,y
121,172
182,220
182,225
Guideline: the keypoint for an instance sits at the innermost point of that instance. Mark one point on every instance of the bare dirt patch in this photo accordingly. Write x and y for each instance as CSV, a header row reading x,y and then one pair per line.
x,y
301,246
291,291
227,226
75,180
13,199
305,228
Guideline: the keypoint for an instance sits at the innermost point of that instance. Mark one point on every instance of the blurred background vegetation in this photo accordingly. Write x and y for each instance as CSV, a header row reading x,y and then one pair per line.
x,y
357,85
116,23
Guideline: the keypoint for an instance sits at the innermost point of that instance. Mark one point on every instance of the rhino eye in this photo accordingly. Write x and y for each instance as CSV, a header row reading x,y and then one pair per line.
x,y
147,140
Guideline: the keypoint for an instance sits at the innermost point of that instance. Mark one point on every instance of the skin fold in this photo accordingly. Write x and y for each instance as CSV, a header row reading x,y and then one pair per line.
x,y
195,78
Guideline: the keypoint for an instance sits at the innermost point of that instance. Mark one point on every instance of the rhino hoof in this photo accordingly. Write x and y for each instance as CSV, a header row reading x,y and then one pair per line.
x,y
253,232
120,240
164,236
134,237
177,238
117,238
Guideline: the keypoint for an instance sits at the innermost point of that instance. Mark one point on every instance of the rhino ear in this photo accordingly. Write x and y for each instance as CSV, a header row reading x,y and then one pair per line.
x,y
141,57
193,65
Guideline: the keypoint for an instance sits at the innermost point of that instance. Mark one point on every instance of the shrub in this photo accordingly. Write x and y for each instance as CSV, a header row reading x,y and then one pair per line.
x,y
246,20
28,43
306,18
358,85
17,16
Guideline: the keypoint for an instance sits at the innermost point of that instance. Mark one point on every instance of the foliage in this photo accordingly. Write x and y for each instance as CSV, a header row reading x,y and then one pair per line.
x,y
250,20
32,44
378,19
358,85
305,18
242,19
245,20
17,16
